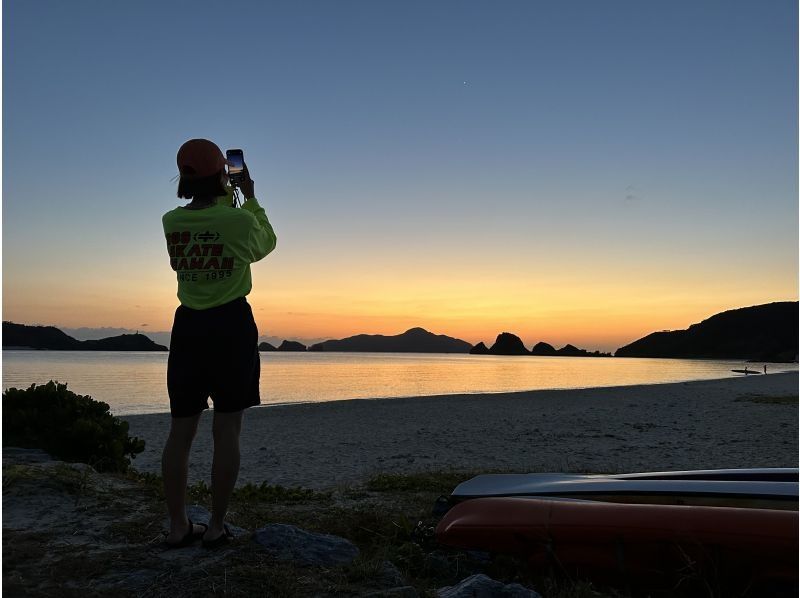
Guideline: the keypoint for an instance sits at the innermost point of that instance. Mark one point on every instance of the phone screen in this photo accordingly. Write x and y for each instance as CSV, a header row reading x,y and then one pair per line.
x,y
236,163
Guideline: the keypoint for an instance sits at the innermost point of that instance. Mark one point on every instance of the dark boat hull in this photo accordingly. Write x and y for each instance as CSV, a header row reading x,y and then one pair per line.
x,y
630,541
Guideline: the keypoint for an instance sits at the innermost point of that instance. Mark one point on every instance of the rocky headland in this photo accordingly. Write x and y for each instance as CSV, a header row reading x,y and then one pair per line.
x,y
760,333
21,336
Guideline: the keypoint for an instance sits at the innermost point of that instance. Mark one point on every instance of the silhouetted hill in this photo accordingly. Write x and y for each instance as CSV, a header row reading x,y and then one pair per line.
x,y
759,333
573,351
37,337
508,344
569,351
542,348
479,349
266,347
291,346
414,340
49,337
124,342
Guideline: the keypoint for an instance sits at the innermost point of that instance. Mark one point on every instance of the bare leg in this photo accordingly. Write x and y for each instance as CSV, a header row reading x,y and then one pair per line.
x,y
225,468
175,471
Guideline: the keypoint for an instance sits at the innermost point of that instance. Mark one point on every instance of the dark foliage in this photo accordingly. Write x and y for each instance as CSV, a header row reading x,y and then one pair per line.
x,y
68,426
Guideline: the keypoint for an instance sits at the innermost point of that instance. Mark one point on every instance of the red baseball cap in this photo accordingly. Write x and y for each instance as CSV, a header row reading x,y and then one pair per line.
x,y
199,158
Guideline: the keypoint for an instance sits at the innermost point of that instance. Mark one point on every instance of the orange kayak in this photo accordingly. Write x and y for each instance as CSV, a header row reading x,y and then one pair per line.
x,y
629,540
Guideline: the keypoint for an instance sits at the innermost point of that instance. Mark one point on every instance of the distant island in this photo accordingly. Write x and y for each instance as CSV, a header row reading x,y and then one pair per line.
x,y
20,336
413,340
759,333
284,346
419,340
291,346
510,344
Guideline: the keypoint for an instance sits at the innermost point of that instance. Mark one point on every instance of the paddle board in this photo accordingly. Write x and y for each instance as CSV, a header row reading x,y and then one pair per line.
x,y
752,488
763,474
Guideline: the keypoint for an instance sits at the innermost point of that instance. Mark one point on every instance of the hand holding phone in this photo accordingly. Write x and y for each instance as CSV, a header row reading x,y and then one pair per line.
x,y
238,173
236,166
247,185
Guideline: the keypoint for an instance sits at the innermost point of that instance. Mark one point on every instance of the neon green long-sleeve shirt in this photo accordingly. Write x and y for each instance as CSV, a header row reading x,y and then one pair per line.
x,y
211,250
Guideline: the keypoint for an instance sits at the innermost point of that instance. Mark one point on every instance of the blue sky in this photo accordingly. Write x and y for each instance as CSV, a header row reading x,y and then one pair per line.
x,y
628,147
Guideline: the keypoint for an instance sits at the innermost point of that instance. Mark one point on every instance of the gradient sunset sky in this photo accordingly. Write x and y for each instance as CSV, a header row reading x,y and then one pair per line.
x,y
583,172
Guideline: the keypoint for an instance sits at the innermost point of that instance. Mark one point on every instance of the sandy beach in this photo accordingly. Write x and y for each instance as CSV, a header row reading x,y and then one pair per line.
x,y
691,425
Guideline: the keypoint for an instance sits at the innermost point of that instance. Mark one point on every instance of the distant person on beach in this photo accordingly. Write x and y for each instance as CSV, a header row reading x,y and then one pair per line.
x,y
214,347
765,368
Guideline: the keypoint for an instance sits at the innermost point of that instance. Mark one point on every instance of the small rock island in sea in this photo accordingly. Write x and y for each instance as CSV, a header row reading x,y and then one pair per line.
x,y
510,344
291,346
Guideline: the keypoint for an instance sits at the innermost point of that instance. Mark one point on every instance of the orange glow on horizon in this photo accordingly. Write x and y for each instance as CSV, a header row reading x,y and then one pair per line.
x,y
558,303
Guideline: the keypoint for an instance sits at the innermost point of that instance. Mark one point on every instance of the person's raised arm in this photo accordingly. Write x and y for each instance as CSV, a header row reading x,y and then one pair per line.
x,y
262,239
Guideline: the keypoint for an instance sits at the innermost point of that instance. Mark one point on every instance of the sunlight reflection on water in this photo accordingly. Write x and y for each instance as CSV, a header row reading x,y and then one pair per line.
x,y
135,382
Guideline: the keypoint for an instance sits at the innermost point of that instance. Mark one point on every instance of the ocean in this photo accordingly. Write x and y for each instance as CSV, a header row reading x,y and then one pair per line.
x,y
135,382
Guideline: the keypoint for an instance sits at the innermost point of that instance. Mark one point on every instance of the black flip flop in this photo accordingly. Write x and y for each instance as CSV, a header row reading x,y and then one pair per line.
x,y
225,537
190,538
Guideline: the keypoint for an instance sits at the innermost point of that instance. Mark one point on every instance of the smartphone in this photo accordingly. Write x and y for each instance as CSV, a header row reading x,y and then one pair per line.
x,y
235,159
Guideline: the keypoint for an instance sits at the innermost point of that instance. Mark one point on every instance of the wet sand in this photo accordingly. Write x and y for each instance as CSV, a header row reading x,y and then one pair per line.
x,y
691,425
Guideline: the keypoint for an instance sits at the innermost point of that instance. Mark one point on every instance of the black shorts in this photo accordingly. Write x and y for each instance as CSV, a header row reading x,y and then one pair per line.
x,y
213,353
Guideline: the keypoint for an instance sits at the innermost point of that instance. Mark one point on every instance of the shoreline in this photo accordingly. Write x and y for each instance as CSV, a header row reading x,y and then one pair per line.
x,y
704,424
463,394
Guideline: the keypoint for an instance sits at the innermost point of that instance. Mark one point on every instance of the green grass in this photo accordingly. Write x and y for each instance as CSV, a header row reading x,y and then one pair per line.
x,y
279,494
12,474
379,516
263,492
442,482
62,477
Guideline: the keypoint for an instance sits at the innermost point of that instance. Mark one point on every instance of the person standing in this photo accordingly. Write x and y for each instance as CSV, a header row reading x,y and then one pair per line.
x,y
214,345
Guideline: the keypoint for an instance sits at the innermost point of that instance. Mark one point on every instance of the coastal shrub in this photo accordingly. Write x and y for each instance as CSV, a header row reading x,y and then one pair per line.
x,y
70,427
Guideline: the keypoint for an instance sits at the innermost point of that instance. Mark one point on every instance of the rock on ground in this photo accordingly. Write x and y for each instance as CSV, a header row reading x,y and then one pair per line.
x,y
402,592
482,586
287,542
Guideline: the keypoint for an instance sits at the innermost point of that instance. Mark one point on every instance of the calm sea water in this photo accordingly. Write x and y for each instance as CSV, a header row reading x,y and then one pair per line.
x,y
136,382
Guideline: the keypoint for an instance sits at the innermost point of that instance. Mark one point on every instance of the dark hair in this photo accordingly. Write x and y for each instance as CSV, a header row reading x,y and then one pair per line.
x,y
208,186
